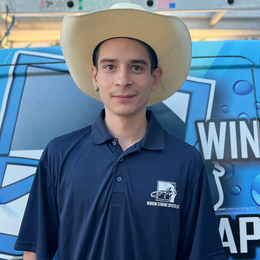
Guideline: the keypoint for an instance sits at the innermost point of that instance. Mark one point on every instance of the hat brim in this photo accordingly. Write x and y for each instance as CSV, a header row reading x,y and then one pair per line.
x,y
167,35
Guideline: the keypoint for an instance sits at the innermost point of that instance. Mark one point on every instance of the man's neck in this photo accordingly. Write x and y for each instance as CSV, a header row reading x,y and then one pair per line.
x,y
127,129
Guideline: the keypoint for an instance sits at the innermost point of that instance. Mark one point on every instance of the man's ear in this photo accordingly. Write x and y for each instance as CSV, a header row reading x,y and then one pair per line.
x,y
94,75
156,76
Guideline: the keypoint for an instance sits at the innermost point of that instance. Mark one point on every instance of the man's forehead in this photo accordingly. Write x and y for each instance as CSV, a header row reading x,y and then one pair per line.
x,y
133,46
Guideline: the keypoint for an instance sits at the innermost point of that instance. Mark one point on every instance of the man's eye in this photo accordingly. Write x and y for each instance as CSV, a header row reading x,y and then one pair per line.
x,y
136,68
109,67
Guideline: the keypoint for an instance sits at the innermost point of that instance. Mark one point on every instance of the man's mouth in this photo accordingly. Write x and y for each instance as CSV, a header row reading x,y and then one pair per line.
x,y
126,97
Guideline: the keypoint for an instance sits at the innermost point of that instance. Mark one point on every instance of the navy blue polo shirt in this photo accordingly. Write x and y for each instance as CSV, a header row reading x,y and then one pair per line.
x,y
94,201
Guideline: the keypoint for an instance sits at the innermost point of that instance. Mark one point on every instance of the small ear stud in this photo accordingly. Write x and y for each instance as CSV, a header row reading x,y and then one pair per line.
x,y
97,89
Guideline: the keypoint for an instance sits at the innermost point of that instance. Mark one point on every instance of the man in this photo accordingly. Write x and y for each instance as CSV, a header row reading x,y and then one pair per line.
x,y
123,188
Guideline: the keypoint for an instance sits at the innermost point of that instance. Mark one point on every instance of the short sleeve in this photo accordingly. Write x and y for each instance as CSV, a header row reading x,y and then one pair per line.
x,y
199,235
39,228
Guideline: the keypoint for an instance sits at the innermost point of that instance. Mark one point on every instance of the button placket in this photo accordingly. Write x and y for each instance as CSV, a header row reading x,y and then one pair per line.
x,y
119,175
120,170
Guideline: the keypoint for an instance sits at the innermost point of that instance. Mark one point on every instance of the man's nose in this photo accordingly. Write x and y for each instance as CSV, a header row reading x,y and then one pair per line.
x,y
123,78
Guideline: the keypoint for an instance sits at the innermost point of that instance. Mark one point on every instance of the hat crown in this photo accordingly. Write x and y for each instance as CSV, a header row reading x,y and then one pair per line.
x,y
167,35
127,6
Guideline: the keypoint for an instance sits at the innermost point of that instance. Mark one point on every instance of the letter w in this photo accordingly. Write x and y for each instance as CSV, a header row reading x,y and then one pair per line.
x,y
207,143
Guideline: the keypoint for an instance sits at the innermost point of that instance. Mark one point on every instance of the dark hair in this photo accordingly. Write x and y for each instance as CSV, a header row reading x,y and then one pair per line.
x,y
151,53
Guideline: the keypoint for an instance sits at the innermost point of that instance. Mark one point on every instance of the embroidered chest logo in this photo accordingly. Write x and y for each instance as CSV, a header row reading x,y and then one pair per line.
x,y
164,195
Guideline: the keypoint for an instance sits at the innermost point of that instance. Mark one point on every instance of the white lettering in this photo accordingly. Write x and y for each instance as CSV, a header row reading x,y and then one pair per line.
x,y
162,204
233,139
151,203
244,236
207,143
246,137
224,226
209,137
173,206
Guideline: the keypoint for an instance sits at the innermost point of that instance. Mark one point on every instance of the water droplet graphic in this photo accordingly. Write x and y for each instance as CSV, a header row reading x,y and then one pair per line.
x,y
224,109
244,116
257,105
242,87
229,171
255,190
235,190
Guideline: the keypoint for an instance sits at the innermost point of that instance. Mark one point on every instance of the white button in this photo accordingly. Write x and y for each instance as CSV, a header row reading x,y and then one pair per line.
x,y
114,142
119,178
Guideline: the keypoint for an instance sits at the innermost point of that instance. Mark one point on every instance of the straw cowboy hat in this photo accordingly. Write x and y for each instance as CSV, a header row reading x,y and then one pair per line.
x,y
167,35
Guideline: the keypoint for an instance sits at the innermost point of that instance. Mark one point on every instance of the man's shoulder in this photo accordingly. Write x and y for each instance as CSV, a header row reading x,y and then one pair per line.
x,y
68,141
175,145
59,149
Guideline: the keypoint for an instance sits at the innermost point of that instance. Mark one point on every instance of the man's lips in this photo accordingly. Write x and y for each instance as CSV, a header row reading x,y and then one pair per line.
x,y
124,97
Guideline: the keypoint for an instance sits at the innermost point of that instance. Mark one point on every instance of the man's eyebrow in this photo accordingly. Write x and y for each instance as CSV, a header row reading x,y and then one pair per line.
x,y
140,62
107,60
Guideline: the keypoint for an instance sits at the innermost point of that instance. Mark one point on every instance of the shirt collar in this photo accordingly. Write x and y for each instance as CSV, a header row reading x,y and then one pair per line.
x,y
99,132
153,139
